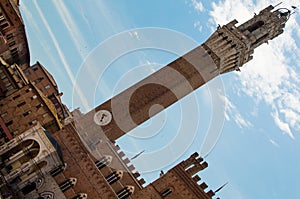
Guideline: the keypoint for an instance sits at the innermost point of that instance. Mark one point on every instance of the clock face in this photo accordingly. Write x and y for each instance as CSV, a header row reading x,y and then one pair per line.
x,y
102,117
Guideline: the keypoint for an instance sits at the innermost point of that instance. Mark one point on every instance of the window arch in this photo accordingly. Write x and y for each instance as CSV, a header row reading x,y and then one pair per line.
x,y
125,192
104,161
166,192
114,176
255,26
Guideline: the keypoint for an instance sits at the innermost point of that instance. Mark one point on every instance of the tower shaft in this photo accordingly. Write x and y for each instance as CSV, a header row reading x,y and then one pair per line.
x,y
228,48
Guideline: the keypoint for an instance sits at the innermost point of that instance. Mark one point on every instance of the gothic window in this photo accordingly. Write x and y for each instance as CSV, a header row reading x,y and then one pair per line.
x,y
255,26
166,192
57,170
67,184
125,192
104,161
16,96
113,177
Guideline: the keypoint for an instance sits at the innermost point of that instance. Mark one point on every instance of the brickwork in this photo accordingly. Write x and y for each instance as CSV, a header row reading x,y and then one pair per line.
x,y
14,47
45,82
25,107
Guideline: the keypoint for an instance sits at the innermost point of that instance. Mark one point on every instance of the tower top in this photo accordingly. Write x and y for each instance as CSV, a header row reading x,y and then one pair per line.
x,y
232,46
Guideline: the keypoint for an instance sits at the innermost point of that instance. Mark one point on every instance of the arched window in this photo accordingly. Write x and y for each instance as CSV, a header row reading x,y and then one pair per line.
x,y
261,39
114,176
57,170
166,192
255,26
125,192
104,161
67,184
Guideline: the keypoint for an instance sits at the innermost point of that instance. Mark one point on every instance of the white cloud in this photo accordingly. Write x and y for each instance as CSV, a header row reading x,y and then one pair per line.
x,y
282,125
231,112
198,5
271,77
198,26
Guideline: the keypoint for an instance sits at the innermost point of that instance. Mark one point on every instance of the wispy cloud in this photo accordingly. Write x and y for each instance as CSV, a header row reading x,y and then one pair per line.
x,y
232,113
272,76
198,6
37,30
198,26
274,143
282,125
62,57
75,33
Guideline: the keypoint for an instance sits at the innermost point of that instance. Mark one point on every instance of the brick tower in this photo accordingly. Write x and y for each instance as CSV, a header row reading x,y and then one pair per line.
x,y
228,49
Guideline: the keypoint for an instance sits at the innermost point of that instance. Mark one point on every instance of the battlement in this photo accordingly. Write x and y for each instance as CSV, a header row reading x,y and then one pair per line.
x,y
231,47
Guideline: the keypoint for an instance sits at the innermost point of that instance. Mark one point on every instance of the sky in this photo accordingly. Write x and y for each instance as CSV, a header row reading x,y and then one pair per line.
x,y
246,123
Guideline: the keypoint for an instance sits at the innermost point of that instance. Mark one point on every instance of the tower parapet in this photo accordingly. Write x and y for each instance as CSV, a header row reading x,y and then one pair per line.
x,y
231,47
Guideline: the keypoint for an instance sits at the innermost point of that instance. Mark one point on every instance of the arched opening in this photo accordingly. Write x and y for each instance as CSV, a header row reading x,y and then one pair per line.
x,y
114,176
125,192
17,156
260,40
255,26
18,148
67,184
104,161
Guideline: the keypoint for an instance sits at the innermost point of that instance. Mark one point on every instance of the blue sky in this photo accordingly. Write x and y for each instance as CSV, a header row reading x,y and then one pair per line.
x,y
254,114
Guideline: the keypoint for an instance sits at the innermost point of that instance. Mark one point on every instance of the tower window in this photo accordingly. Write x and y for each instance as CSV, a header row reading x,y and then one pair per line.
x,y
261,39
21,104
166,192
255,26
